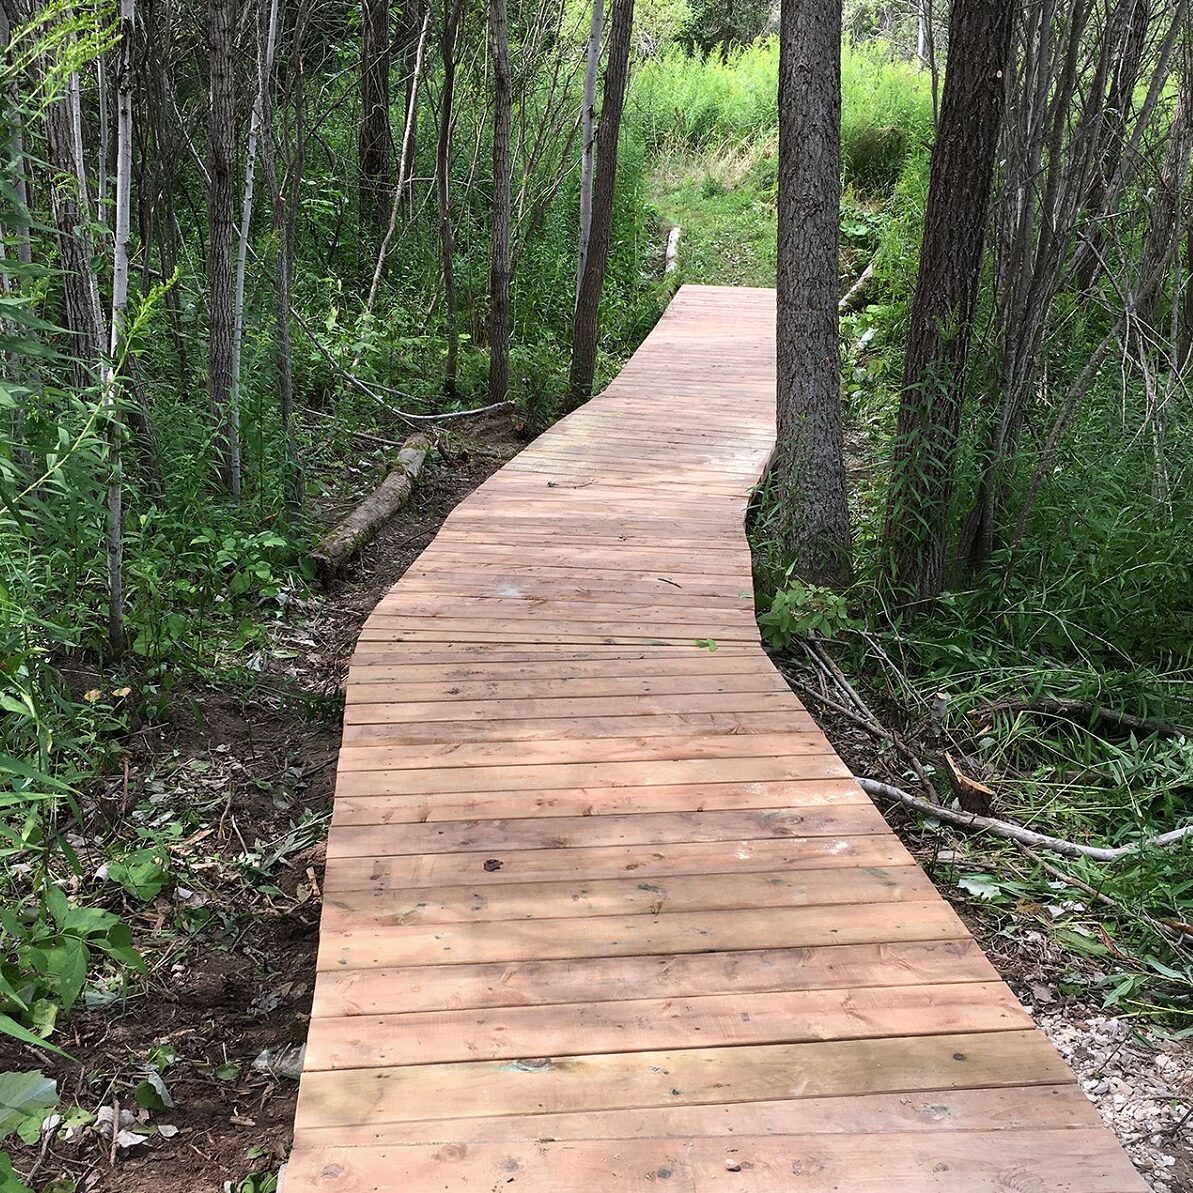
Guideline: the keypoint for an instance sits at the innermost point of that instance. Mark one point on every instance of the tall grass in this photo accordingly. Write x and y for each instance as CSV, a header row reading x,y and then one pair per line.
x,y
688,106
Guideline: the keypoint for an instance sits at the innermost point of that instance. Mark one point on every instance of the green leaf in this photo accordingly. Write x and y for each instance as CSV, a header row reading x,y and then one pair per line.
x,y
980,886
10,1027
25,1098
152,1094
142,873
9,1182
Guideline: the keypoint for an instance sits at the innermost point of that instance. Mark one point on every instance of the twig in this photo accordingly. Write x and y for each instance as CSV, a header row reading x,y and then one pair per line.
x,y
434,418
1016,832
867,719
1173,926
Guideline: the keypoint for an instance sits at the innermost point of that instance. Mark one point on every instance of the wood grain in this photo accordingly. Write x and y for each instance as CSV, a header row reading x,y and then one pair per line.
x,y
603,910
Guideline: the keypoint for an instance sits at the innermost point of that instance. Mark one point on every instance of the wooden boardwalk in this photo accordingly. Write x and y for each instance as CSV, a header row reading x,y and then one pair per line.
x,y
604,911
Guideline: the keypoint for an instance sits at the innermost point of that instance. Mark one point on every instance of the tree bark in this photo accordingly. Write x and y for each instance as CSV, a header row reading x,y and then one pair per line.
x,y
452,15
284,201
24,246
812,517
70,201
341,543
924,458
221,201
586,328
116,345
375,141
588,123
415,21
499,252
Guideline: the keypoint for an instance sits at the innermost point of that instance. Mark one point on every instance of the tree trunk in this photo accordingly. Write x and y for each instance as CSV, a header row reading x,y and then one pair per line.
x,y
70,200
283,201
922,472
588,123
375,142
221,200
21,233
586,327
499,254
266,52
414,26
453,12
809,465
116,346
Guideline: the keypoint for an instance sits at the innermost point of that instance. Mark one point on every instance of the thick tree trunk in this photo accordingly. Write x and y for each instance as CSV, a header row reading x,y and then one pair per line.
x,y
221,202
586,327
375,142
812,517
588,124
451,26
499,253
924,458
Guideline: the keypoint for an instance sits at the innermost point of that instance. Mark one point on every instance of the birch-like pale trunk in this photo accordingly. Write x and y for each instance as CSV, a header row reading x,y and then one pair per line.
x,y
265,73
105,134
120,264
588,121
403,175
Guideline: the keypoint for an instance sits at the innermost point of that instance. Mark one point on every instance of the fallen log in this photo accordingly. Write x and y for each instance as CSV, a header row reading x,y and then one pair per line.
x,y
1016,832
343,541
854,298
671,260
1082,708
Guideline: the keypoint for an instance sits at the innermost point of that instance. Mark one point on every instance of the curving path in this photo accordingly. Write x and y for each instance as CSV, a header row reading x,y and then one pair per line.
x,y
604,911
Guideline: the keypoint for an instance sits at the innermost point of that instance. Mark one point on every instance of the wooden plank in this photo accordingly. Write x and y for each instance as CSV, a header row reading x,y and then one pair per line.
x,y
645,828
555,776
627,935
514,700
555,729
678,1077
1018,1108
1060,1161
715,1020
621,896
608,861
477,755
590,801
539,983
